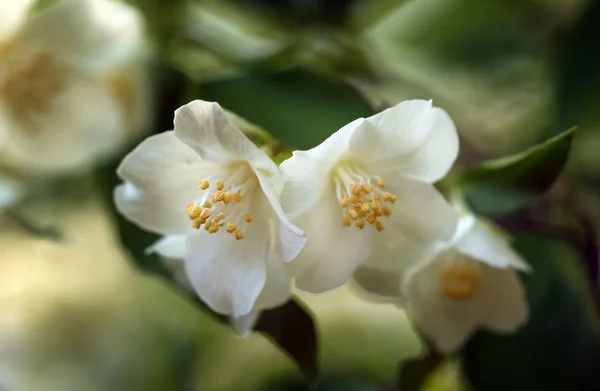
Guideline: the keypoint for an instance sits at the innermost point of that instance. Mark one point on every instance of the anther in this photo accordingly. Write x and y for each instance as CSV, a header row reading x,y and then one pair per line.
x,y
227,197
230,227
220,185
355,189
344,202
214,227
248,218
217,196
237,197
365,189
380,182
346,221
218,218
205,214
365,207
386,211
379,226
194,211
204,184
197,223
360,223
239,235
353,214
371,219
377,212
207,204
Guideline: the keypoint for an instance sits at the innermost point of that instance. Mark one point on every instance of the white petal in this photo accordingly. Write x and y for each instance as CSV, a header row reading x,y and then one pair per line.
x,y
90,34
277,286
170,246
420,210
333,252
379,282
205,127
244,324
487,243
414,137
11,190
499,304
162,178
229,274
306,172
289,239
12,15
83,125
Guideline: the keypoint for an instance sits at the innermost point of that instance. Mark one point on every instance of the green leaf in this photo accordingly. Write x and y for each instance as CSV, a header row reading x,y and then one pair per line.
x,y
292,328
508,184
298,108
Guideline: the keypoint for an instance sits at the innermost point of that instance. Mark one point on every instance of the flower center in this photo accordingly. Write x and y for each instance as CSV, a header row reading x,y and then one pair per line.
x,y
460,282
222,202
362,197
29,82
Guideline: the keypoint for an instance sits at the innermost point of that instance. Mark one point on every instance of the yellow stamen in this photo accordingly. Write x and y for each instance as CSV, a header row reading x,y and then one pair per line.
x,y
227,197
353,214
377,212
239,235
214,227
379,226
460,282
205,214
371,219
219,218
360,223
355,189
344,202
248,218
197,223
220,185
194,211
204,184
386,211
380,182
230,227
237,197
346,221
365,207
207,204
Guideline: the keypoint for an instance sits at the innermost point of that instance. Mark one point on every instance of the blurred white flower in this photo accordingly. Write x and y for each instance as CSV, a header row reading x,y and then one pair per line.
x,y
72,83
365,195
469,282
210,191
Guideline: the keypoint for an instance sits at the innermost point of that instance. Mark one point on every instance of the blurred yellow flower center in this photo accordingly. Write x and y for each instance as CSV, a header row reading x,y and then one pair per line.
x,y
222,199
361,197
30,80
460,282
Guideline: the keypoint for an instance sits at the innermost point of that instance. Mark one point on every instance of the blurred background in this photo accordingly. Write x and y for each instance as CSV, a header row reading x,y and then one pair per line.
x,y
83,307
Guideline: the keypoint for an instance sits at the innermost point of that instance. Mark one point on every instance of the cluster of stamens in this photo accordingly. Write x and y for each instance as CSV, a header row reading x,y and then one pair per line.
x,y
202,215
366,204
460,282
29,83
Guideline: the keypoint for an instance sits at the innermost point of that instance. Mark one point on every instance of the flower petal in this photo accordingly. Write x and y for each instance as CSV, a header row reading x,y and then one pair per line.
x,y
305,173
416,138
170,246
486,243
420,210
332,252
226,273
379,282
205,128
162,175
289,238
12,15
83,125
499,304
244,324
90,34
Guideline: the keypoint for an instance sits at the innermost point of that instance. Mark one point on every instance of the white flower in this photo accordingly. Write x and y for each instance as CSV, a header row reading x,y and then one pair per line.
x,y
72,83
469,282
365,194
209,187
